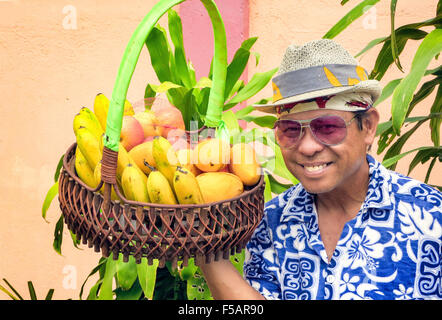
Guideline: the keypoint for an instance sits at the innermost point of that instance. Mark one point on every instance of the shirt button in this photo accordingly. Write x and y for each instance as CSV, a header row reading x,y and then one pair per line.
x,y
330,278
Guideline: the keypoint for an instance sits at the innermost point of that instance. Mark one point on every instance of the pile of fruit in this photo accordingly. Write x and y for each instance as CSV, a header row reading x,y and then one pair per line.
x,y
156,164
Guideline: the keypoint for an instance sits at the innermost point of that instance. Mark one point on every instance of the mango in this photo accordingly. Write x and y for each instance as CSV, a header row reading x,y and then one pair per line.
x,y
212,154
243,163
218,186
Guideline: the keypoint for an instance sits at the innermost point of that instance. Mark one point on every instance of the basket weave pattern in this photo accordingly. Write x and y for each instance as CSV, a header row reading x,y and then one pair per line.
x,y
155,231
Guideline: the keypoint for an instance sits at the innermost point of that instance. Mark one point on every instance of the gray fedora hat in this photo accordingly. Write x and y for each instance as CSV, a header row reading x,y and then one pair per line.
x,y
316,69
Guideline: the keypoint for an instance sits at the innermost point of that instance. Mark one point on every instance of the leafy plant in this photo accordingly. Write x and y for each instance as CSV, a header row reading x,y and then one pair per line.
x,y
14,295
404,91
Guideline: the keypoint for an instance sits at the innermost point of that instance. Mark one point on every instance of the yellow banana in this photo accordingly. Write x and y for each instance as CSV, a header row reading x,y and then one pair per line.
x,y
85,119
97,176
165,157
89,146
101,108
134,185
159,188
84,171
186,187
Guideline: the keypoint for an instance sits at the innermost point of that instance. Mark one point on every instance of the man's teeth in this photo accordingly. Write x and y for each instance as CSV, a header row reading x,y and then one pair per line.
x,y
316,168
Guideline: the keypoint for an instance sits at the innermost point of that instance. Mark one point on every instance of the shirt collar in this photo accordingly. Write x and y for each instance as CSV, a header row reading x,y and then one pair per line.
x,y
300,204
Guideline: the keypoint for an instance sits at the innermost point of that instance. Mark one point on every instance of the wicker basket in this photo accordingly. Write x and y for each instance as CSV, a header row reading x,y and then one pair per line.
x,y
165,232
154,231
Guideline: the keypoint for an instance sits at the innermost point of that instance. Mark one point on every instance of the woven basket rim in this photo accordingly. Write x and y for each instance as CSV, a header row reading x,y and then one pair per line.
x,y
72,174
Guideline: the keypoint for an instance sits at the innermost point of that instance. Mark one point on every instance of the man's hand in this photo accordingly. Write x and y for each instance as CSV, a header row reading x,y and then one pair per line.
x,y
225,282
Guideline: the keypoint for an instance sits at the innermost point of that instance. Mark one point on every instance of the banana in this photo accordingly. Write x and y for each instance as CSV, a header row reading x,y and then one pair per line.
x,y
88,120
89,146
186,187
134,185
159,188
101,108
84,171
165,157
97,177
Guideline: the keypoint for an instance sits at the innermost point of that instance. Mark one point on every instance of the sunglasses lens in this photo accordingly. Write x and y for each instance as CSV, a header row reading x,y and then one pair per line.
x,y
329,130
287,132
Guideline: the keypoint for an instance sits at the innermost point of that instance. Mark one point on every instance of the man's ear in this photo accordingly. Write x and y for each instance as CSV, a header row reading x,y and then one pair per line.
x,y
370,123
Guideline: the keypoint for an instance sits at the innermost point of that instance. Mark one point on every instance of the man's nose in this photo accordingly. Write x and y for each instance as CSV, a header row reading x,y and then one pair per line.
x,y
308,145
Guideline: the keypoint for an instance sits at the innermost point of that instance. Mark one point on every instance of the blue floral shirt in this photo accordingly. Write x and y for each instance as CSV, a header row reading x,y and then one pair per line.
x,y
391,250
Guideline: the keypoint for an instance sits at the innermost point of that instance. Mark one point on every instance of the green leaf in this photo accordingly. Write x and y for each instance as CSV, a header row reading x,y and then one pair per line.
x,y
256,84
58,169
391,161
435,122
101,265
231,122
52,192
106,292
402,96
238,64
423,156
158,47
394,49
267,189
351,16
133,293
189,271
387,91
385,57
262,121
176,34
58,235
17,295
197,288
126,272
32,293
237,260
147,275
278,187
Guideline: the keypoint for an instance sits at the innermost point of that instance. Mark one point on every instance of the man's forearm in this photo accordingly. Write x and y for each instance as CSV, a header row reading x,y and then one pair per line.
x,y
225,282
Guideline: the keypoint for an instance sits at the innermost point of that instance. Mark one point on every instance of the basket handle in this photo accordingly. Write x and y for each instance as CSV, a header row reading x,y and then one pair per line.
x,y
130,58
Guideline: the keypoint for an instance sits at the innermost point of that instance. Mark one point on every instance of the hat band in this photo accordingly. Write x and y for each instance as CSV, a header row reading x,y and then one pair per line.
x,y
315,78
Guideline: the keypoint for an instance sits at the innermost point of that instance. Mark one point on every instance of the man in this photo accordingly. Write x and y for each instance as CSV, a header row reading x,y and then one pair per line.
x,y
351,229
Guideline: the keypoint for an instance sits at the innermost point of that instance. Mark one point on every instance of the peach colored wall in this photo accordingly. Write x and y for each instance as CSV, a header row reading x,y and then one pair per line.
x,y
48,71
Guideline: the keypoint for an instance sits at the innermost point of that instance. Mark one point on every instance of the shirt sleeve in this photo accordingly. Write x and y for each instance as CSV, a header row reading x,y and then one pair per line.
x,y
261,267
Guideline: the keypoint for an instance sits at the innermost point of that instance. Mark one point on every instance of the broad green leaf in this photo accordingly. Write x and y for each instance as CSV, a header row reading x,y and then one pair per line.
x,y
52,192
391,161
256,84
133,293
126,272
159,49
241,113
231,122
267,188
387,91
402,96
147,275
149,96
370,45
351,16
384,126
176,34
216,97
106,292
197,288
262,121
203,82
189,271
238,64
